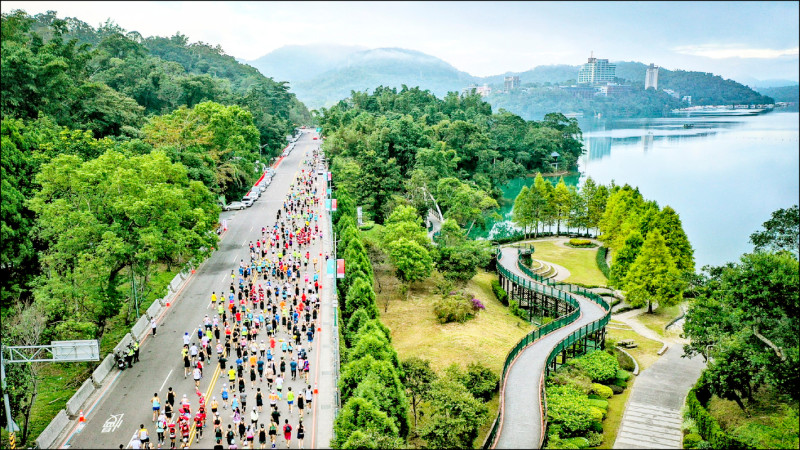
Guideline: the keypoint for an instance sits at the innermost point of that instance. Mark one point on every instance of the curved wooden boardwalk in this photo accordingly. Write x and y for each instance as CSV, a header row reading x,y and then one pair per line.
x,y
521,402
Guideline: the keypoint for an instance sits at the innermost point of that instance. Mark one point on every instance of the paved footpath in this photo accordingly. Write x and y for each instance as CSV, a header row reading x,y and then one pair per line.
x,y
115,411
652,417
522,416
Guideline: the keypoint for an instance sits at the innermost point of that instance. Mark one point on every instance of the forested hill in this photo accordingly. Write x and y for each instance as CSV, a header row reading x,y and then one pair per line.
x,y
158,73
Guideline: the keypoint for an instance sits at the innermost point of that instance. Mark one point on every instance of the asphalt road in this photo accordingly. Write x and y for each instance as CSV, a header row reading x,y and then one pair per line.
x,y
125,400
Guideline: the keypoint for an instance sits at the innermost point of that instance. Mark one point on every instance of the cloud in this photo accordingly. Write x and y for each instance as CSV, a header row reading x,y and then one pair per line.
x,y
734,51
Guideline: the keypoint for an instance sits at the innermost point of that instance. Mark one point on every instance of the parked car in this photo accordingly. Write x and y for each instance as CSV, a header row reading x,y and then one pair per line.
x,y
234,205
248,201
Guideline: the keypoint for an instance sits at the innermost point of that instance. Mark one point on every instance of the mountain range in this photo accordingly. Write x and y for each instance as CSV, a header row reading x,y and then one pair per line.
x,y
321,75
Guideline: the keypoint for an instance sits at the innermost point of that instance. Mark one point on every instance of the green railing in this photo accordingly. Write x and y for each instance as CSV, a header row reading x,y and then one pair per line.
x,y
546,287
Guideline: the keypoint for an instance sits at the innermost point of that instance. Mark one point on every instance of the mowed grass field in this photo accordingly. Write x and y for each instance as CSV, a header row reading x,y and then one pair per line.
x,y
580,262
416,331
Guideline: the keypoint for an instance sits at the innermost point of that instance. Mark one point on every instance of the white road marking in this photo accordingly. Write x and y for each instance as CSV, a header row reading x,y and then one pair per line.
x,y
165,381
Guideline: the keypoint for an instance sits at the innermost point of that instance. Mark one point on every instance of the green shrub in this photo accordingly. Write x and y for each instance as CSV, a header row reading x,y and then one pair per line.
x,y
623,375
598,365
602,404
514,309
625,361
616,389
596,427
620,382
581,243
499,292
597,413
594,439
453,307
480,381
595,397
580,442
566,406
367,225
571,376
691,440
601,390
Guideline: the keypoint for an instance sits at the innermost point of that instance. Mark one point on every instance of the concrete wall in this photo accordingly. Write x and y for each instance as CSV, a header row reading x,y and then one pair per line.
x,y
123,344
154,310
49,435
102,371
140,327
76,402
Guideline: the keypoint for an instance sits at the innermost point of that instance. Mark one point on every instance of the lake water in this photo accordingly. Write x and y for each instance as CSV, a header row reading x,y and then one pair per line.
x,y
724,176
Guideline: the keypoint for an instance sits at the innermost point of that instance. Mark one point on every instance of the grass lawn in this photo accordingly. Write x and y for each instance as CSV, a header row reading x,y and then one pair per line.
x,y
486,339
660,318
580,262
616,409
647,351
416,331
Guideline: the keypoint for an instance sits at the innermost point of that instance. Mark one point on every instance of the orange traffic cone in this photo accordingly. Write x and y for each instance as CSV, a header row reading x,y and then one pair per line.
x,y
82,418
192,270
315,389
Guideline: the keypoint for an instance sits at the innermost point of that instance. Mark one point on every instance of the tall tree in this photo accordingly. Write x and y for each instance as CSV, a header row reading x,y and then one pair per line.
x,y
522,211
781,232
455,416
417,377
653,277
625,258
678,243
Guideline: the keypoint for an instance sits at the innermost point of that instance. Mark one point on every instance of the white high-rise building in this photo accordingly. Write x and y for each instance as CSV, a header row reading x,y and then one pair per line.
x,y
651,78
597,71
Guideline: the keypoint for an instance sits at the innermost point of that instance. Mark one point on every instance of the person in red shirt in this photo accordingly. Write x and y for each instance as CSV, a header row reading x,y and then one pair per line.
x,y
172,434
185,434
199,422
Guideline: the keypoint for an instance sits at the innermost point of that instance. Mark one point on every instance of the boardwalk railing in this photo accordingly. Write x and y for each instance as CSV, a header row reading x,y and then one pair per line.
x,y
562,291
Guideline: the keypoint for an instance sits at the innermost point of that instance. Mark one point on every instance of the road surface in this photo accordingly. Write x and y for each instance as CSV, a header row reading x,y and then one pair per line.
x,y
114,413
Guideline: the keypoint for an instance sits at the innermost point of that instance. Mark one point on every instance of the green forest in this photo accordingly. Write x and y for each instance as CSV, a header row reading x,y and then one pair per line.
x,y
116,151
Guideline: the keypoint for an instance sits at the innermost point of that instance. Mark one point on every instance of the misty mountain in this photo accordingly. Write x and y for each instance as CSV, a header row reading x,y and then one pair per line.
x,y
295,63
321,75
391,67
782,93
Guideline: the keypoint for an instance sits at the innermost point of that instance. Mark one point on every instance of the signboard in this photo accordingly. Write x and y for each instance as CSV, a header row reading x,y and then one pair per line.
x,y
70,351
360,216
333,204
329,192
340,268
319,130
330,270
328,204
330,176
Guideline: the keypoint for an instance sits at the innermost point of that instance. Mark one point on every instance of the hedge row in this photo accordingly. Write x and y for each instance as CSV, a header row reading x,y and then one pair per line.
x,y
375,407
600,258
698,396
499,292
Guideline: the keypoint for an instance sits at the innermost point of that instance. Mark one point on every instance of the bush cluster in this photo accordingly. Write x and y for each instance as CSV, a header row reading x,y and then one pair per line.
x,y
455,307
707,425
598,365
581,243
375,411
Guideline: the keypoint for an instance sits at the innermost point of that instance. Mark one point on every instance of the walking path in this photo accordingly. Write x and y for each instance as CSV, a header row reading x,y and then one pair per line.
x,y
521,405
652,418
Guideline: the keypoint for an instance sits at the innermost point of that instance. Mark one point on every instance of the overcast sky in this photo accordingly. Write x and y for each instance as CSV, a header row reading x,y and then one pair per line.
x,y
732,39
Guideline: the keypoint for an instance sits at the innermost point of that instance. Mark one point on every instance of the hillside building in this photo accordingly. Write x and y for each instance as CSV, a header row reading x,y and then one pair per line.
x,y
651,77
597,71
510,83
483,91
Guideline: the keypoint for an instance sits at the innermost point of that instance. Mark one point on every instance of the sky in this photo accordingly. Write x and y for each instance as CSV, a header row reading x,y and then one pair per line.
x,y
739,40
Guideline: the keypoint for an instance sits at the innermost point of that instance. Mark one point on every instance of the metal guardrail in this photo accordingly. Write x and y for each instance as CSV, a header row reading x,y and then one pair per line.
x,y
553,289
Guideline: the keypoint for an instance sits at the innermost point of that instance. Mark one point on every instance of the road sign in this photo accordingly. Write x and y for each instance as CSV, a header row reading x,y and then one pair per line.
x,y
112,423
71,351
331,269
340,268
333,204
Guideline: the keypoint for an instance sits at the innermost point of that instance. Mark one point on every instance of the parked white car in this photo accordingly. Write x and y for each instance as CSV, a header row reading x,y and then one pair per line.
x,y
234,205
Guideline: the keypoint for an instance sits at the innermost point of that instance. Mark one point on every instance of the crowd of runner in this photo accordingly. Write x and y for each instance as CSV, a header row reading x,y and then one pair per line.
x,y
261,333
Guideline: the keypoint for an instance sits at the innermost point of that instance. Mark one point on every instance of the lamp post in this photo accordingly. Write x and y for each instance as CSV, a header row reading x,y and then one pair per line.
x,y
555,156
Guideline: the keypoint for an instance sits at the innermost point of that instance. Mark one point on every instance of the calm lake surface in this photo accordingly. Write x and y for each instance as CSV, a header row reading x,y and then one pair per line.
x,y
724,176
